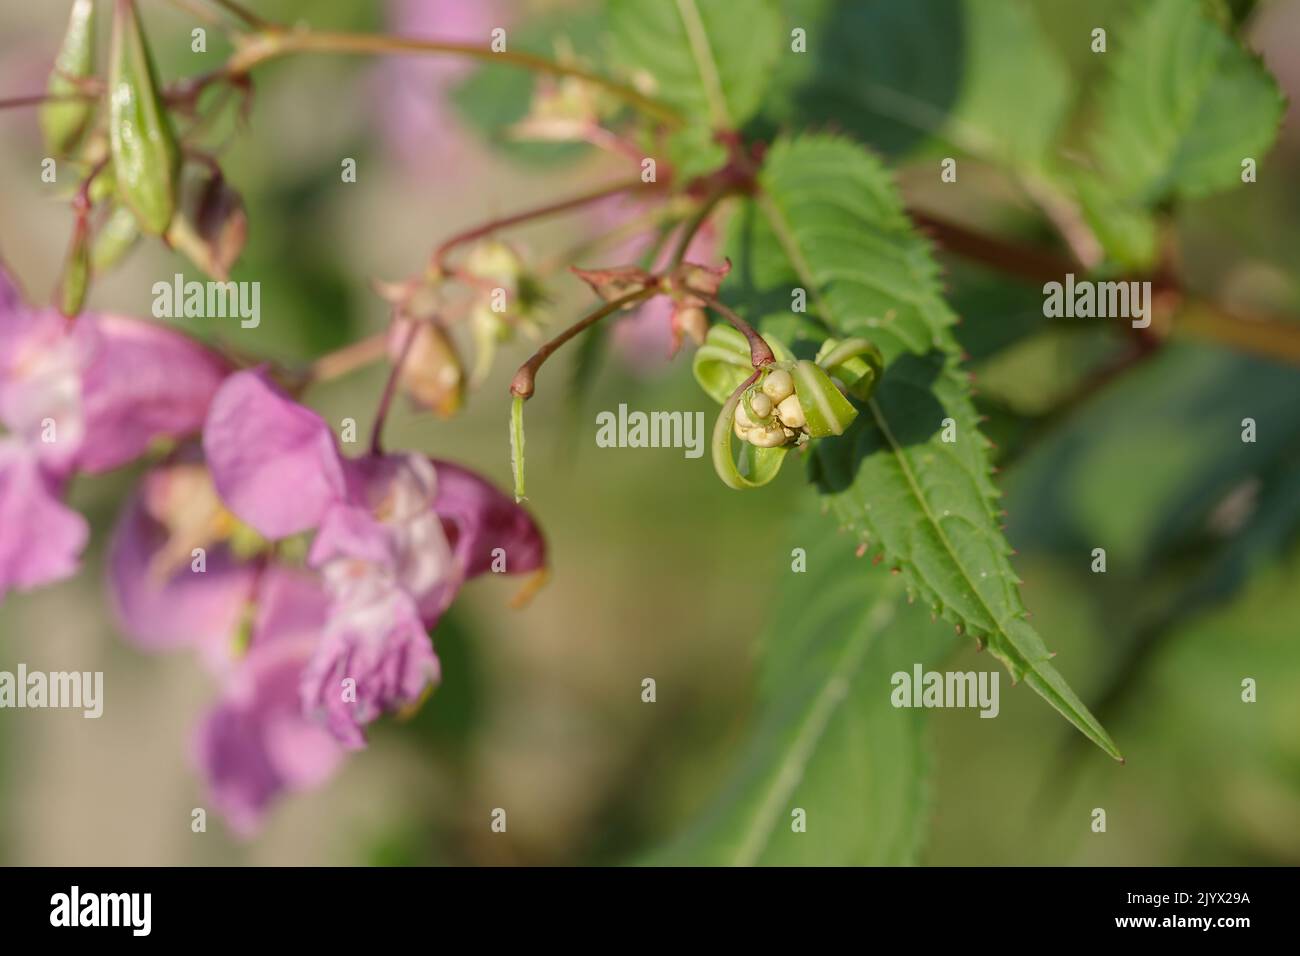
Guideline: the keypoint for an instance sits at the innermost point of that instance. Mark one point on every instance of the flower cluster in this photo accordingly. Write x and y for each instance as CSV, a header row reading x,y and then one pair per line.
x,y
307,581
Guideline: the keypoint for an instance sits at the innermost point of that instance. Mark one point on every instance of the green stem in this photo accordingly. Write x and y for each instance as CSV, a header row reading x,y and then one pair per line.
x,y
537,212
696,223
271,45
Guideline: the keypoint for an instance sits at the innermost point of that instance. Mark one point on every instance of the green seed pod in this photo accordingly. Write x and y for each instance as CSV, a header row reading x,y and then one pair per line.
x,y
115,238
826,411
63,120
146,159
76,274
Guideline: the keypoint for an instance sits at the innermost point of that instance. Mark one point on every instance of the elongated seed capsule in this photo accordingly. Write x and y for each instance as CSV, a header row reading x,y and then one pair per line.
x,y
761,404
76,274
791,412
778,385
146,159
65,117
115,238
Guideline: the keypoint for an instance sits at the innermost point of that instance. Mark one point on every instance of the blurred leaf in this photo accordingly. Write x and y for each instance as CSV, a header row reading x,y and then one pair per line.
x,y
709,58
495,97
829,741
1139,468
897,74
835,222
1184,105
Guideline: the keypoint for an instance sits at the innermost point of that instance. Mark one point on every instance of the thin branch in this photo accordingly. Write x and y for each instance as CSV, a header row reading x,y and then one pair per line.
x,y
269,46
1000,254
439,260
696,223
1270,337
40,99
348,359
241,12
390,388
760,353
1265,336
524,382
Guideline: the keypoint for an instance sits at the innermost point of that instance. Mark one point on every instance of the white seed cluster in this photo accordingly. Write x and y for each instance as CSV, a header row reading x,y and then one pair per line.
x,y
781,418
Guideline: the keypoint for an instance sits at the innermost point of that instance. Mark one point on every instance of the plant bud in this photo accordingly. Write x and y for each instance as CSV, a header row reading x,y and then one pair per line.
x,y
64,120
431,375
778,385
495,261
221,224
791,412
146,159
692,321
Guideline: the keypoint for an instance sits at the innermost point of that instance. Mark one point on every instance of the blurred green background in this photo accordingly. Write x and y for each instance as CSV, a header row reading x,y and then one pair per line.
x,y
657,569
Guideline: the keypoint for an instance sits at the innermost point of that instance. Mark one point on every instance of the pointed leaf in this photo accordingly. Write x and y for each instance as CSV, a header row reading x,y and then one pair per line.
x,y
709,58
834,224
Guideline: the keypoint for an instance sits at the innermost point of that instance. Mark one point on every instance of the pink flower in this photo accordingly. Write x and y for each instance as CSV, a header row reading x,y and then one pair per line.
x,y
256,744
82,397
396,536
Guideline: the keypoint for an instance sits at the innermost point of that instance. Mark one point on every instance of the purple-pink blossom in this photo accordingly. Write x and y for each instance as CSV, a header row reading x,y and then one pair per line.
x,y
396,536
81,397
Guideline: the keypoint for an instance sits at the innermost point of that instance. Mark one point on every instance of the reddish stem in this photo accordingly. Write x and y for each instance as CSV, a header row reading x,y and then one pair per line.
x,y
440,254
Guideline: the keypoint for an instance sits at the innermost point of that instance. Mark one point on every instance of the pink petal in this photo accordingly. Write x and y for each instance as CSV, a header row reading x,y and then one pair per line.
x,y
186,608
41,540
273,461
375,639
142,382
479,519
255,744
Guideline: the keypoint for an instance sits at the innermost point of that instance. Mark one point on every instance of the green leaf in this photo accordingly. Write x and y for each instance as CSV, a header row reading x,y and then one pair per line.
x,y
496,96
709,58
828,740
1184,105
896,75
834,224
